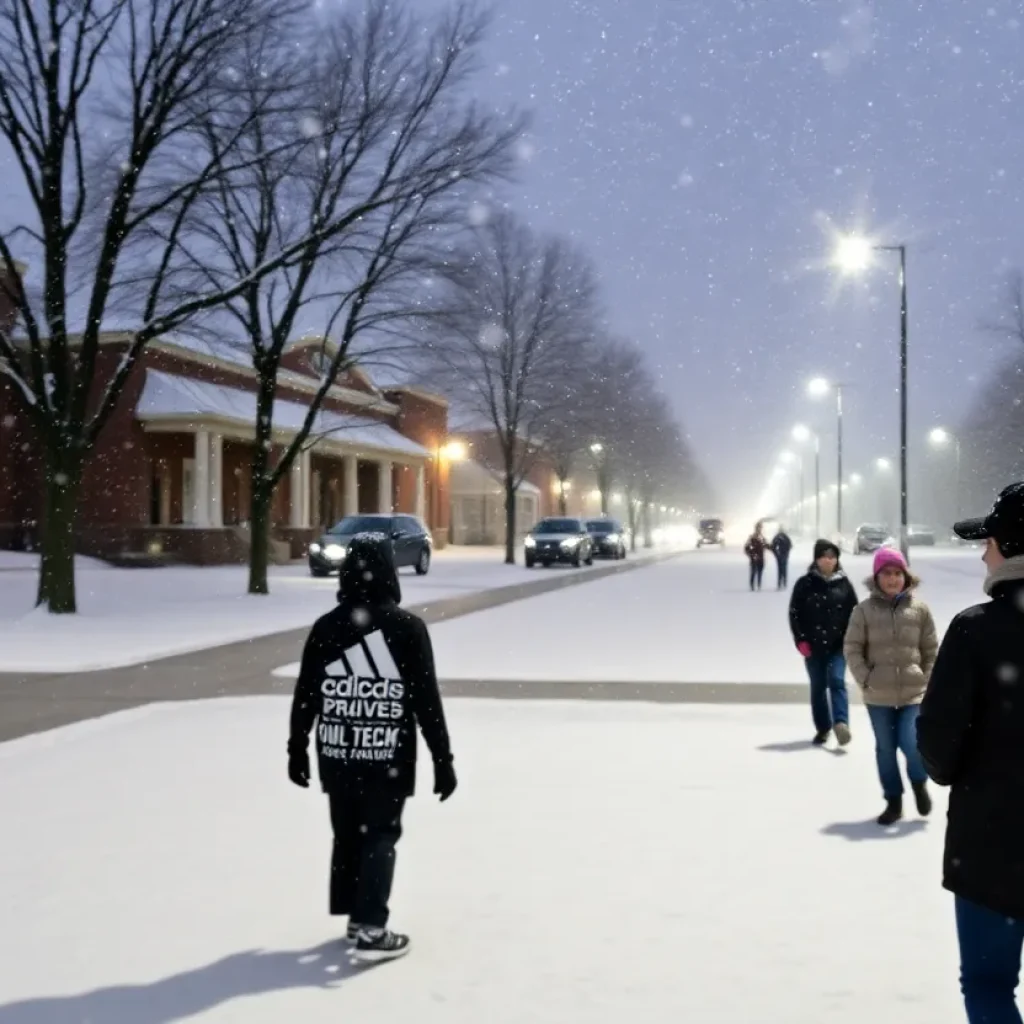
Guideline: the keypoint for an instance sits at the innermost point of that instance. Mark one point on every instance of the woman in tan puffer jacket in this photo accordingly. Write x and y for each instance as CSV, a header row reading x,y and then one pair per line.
x,y
890,648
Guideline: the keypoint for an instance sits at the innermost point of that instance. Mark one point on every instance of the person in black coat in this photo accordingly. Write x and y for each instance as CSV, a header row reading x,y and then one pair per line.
x,y
970,733
781,547
754,549
819,611
367,681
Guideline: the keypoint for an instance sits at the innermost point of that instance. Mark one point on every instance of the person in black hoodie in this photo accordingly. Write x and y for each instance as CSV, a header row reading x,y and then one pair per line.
x,y
366,681
819,612
781,547
970,734
754,549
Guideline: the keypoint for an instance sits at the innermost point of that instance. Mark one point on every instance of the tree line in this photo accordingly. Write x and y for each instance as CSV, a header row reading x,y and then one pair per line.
x,y
241,167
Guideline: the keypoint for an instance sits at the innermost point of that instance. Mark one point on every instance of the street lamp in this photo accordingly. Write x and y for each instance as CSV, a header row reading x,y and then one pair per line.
x,y
802,435
601,461
940,438
818,388
853,255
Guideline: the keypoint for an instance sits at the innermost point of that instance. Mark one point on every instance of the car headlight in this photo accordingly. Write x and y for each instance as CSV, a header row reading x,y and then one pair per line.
x,y
314,548
335,552
612,538
570,543
530,542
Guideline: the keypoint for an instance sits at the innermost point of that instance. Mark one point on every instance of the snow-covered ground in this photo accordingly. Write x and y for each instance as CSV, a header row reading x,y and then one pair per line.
x,y
599,863
129,616
692,619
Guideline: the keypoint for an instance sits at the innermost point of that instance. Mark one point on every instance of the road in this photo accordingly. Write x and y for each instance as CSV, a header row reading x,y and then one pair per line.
x,y
683,630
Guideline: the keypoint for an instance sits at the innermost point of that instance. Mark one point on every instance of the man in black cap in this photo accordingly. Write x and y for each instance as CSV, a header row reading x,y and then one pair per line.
x,y
971,736
367,680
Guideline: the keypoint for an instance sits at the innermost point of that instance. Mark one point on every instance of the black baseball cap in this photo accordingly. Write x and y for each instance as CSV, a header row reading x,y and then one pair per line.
x,y
1004,524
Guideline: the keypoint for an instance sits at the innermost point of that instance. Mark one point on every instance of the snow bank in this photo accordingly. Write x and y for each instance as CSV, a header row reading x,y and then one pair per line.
x,y
641,863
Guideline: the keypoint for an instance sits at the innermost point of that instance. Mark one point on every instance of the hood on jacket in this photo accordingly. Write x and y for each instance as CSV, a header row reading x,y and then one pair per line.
x,y
874,590
368,574
825,547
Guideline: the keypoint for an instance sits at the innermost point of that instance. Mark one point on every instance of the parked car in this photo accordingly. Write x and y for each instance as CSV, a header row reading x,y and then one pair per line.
x,y
410,539
710,531
559,539
920,536
871,537
607,537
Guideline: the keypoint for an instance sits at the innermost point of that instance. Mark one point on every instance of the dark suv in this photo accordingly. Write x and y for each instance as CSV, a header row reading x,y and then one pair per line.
x,y
711,531
410,539
608,538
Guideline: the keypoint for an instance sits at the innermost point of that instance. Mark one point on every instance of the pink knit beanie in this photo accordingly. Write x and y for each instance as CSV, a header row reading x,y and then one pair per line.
x,y
888,556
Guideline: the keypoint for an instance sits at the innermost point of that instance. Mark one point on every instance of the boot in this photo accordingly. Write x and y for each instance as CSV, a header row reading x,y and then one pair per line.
x,y
843,733
821,738
892,813
922,798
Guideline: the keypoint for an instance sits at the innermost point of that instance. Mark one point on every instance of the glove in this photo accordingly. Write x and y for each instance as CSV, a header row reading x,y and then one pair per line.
x,y
298,765
804,648
444,779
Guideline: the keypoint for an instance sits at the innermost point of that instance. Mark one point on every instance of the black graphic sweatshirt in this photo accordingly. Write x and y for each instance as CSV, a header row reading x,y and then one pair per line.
x,y
367,681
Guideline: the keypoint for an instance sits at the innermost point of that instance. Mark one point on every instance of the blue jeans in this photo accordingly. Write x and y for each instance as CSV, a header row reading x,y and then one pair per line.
x,y
990,947
827,673
896,729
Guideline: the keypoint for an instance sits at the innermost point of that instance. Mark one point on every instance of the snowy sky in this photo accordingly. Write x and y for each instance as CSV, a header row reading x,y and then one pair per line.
x,y
701,149
705,152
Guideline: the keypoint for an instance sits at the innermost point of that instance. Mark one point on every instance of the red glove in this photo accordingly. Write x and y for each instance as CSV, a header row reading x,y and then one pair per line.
x,y
804,648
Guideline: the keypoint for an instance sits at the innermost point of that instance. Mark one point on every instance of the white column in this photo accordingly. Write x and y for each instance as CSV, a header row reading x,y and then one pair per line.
x,y
201,483
307,475
351,496
216,480
421,493
384,487
295,494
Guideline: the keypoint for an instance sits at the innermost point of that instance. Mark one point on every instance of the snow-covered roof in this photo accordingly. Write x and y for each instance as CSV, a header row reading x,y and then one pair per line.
x,y
470,477
166,396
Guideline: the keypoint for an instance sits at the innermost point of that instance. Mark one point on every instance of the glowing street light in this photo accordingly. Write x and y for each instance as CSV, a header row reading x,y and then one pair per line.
x,y
818,387
597,447
940,438
454,451
853,254
884,465
856,479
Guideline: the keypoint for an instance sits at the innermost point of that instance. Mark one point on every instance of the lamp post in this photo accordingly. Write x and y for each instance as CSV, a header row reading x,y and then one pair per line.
x,y
804,434
817,388
447,452
941,437
601,460
854,255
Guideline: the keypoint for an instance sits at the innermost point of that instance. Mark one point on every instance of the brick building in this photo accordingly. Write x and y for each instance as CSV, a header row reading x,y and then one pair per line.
x,y
171,470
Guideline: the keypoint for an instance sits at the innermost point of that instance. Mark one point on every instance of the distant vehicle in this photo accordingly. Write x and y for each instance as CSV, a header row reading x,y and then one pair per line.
x,y
710,531
410,541
920,536
607,538
871,537
559,540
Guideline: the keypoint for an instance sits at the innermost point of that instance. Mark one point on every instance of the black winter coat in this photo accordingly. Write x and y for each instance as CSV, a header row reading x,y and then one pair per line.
x,y
820,610
971,736
781,546
366,681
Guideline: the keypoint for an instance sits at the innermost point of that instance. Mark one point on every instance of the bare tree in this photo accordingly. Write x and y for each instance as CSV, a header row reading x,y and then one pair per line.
x,y
519,315
127,86
1009,320
395,151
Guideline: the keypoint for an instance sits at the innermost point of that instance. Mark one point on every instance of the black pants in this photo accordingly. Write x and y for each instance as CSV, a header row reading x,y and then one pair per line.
x,y
783,566
756,572
367,825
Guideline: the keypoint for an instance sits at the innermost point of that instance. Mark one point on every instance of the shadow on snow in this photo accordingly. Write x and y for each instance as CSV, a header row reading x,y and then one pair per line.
x,y
183,996
866,831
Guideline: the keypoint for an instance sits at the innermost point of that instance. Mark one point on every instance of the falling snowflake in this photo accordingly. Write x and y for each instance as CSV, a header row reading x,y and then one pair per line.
x,y
60,479
525,150
685,179
492,336
686,120
360,617
1007,673
479,214
311,126
9,422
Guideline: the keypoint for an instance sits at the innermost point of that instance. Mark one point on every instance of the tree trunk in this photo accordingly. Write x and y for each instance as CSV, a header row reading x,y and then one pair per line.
x,y
261,489
563,507
648,536
510,519
632,523
57,564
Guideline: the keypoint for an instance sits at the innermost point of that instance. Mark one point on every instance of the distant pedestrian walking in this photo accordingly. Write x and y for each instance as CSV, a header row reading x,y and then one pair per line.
x,y
819,612
781,547
890,647
755,550
971,736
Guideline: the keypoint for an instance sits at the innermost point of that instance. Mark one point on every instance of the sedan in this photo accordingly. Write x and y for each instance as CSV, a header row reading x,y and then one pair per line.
x,y
410,539
559,540
607,537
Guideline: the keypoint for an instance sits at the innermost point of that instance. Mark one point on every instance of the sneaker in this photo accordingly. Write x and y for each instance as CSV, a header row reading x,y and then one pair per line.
x,y
892,813
821,738
375,945
923,798
352,932
843,734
